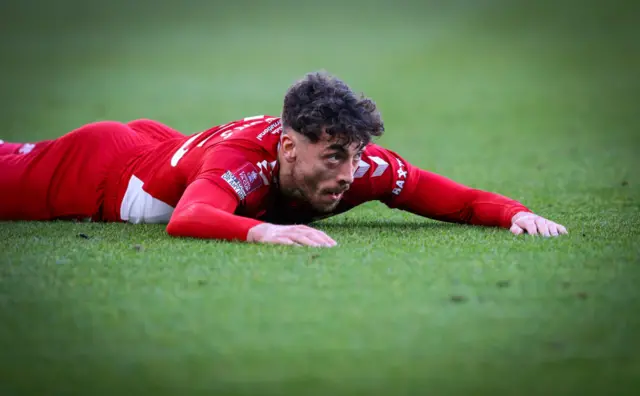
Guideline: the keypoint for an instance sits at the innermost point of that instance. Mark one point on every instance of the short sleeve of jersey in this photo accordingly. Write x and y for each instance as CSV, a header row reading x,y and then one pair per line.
x,y
233,169
382,175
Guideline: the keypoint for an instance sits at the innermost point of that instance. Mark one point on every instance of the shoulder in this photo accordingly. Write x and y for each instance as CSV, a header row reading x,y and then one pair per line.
x,y
245,152
257,132
377,161
381,174
253,138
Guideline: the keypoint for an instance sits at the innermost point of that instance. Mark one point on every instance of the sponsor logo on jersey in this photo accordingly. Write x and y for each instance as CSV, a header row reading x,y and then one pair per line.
x,y
252,176
249,177
233,181
274,129
244,180
402,176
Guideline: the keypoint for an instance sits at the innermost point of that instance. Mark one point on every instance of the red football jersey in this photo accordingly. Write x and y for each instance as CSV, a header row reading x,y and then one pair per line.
x,y
240,158
221,182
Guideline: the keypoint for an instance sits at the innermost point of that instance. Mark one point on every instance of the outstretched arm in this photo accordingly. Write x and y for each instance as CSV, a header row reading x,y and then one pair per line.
x,y
394,181
443,199
437,197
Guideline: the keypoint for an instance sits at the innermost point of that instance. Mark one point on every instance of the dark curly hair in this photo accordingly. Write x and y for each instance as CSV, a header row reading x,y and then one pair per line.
x,y
321,102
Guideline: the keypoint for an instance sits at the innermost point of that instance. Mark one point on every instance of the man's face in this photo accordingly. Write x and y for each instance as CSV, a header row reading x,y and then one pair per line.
x,y
321,172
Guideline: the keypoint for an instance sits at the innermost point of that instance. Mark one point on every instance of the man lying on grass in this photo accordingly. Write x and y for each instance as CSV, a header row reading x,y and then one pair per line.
x,y
259,179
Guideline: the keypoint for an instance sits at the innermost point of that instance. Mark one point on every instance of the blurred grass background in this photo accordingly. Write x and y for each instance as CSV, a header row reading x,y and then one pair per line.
x,y
538,101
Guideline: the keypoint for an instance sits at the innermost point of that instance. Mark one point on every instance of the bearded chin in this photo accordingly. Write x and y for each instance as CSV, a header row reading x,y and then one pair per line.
x,y
304,190
299,194
327,209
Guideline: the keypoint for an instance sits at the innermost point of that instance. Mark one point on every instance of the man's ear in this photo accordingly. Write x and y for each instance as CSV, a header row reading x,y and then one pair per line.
x,y
289,147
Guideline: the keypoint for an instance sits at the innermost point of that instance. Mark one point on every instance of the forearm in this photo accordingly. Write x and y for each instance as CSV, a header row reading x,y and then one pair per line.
x,y
206,211
489,209
200,220
439,198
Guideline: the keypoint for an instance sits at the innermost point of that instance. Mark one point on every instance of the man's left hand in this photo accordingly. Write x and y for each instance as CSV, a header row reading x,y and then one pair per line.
x,y
535,225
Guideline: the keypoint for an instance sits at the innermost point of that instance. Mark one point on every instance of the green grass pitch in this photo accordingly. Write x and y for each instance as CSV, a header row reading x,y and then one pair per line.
x,y
535,101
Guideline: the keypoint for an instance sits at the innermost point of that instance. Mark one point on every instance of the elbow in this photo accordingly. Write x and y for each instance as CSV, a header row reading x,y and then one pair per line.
x,y
173,229
177,227
183,222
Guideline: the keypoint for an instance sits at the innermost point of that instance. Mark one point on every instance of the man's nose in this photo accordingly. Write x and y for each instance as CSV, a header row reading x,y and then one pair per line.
x,y
346,173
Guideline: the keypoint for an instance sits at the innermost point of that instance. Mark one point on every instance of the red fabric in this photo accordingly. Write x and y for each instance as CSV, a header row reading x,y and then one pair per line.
x,y
197,217
217,180
63,178
154,131
7,148
437,197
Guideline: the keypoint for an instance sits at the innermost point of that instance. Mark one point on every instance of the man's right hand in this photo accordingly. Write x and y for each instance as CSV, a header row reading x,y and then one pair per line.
x,y
298,235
